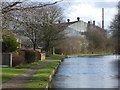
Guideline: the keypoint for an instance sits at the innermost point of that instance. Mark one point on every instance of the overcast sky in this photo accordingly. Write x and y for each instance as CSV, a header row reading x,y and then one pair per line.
x,y
88,10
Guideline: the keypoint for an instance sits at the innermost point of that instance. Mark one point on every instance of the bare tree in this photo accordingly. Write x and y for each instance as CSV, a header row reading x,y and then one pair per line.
x,y
9,8
115,27
41,25
97,39
51,29
18,5
28,19
73,45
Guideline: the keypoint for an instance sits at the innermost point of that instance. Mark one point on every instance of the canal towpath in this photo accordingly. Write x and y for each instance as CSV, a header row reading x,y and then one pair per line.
x,y
21,80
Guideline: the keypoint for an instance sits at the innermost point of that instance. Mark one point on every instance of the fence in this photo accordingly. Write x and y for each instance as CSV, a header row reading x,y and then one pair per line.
x,y
7,59
8,62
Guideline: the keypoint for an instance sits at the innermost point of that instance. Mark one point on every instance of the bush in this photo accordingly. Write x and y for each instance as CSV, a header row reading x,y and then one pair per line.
x,y
37,55
29,55
9,43
17,60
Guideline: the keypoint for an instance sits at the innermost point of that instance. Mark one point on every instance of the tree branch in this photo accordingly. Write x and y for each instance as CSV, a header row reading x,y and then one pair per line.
x,y
9,8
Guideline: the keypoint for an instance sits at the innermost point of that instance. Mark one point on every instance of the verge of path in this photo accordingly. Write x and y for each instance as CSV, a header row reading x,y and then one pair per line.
x,y
21,80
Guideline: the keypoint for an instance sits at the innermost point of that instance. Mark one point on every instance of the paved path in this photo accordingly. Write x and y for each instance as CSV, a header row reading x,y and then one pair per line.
x,y
21,80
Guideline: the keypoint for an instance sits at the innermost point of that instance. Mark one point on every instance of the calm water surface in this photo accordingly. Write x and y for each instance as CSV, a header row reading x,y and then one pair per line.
x,y
87,72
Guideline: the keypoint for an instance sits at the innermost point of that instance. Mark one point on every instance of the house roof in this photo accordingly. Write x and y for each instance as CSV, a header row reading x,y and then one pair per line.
x,y
95,26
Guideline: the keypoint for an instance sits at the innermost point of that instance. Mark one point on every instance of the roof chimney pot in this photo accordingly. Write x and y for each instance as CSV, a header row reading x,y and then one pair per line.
x,y
68,20
78,18
94,22
88,22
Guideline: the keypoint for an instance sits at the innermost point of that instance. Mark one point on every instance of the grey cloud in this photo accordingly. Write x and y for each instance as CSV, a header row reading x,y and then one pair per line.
x,y
105,4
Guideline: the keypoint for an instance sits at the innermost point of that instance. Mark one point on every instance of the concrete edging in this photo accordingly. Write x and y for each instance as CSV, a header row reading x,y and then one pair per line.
x,y
52,74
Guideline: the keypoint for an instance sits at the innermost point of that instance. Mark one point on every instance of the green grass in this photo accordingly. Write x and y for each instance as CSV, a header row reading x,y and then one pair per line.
x,y
40,79
9,73
90,54
56,56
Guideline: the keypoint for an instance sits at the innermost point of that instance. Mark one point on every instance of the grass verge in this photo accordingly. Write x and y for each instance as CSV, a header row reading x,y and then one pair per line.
x,y
9,73
90,54
41,78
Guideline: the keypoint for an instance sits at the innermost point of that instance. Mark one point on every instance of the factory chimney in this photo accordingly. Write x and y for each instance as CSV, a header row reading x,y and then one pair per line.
x,y
102,18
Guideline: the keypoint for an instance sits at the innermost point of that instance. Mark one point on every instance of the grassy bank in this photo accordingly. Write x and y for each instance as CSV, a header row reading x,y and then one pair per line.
x,y
91,54
9,73
41,78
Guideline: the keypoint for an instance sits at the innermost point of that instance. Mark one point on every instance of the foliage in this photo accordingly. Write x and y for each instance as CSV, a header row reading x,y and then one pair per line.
x,y
72,45
115,27
17,60
97,40
25,56
27,19
9,43
39,25
29,55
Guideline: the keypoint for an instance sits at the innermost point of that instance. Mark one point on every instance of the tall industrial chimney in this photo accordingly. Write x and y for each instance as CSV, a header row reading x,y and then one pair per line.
x,y
103,18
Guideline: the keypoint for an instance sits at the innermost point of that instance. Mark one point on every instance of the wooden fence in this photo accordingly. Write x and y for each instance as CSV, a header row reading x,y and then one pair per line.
x,y
6,59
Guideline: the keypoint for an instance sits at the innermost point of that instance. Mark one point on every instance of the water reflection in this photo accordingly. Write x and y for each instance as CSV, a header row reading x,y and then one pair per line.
x,y
87,72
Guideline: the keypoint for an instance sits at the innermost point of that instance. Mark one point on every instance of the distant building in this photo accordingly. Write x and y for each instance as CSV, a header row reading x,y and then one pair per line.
x,y
76,31
80,27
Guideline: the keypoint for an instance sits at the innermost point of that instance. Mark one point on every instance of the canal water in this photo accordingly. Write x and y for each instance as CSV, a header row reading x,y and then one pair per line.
x,y
87,72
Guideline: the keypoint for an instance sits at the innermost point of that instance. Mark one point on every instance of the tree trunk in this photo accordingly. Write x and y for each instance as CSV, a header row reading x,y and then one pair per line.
x,y
34,46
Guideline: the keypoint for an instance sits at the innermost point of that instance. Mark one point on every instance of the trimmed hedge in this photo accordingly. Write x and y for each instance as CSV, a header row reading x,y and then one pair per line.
x,y
25,56
17,60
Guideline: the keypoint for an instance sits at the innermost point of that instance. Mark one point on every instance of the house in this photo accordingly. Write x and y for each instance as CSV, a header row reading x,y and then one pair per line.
x,y
80,27
76,40
76,28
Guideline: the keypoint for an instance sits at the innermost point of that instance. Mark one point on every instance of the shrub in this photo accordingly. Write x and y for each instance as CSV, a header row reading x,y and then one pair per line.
x,y
29,55
37,55
17,60
9,43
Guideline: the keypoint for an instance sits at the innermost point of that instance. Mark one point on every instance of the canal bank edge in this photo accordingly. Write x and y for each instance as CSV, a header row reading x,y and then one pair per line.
x,y
85,55
52,75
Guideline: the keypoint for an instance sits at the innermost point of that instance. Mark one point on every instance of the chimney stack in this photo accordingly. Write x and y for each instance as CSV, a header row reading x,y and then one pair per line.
x,y
88,22
68,20
78,18
94,22
102,18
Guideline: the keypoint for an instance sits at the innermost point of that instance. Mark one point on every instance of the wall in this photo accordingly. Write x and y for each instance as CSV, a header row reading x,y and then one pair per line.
x,y
76,28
